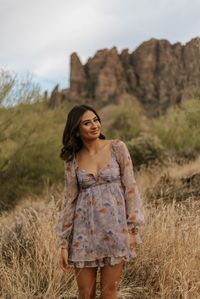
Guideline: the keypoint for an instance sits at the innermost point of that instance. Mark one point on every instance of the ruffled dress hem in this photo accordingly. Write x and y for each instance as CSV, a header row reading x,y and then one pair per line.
x,y
103,261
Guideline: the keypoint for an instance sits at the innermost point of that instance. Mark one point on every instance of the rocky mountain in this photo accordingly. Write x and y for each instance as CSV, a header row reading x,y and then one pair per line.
x,y
157,73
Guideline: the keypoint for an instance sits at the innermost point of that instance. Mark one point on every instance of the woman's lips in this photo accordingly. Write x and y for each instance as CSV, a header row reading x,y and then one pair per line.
x,y
94,132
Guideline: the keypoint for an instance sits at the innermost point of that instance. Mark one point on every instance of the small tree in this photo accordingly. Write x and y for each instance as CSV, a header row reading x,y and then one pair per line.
x,y
7,81
16,89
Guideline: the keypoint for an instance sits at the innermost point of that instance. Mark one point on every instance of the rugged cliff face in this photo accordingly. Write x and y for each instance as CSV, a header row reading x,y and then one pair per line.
x,y
157,73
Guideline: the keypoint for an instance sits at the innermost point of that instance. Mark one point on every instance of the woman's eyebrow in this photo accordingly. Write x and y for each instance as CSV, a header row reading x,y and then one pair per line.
x,y
89,119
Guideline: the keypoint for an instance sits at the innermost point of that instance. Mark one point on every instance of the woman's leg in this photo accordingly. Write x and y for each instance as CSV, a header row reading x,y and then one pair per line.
x,y
86,281
110,278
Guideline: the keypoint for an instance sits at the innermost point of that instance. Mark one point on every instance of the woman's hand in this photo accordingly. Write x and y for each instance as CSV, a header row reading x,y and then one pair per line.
x,y
64,260
132,240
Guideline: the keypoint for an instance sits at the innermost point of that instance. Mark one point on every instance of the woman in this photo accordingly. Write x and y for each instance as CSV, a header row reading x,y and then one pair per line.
x,y
98,224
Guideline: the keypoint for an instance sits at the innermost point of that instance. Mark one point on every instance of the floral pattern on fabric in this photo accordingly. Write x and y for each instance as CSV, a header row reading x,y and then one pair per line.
x,y
98,210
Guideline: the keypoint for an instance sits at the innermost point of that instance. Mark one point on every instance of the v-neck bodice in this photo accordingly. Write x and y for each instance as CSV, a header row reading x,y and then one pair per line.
x,y
109,173
106,166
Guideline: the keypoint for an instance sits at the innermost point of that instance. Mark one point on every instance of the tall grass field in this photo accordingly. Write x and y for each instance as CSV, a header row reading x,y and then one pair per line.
x,y
166,157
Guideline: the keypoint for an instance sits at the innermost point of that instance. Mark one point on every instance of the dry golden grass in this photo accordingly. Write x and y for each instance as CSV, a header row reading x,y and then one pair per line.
x,y
167,265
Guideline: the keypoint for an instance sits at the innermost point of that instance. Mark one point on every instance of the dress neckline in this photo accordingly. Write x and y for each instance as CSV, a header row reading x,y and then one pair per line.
x,y
101,169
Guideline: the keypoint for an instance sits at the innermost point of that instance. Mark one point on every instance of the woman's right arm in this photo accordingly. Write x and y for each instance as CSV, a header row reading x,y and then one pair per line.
x,y
64,225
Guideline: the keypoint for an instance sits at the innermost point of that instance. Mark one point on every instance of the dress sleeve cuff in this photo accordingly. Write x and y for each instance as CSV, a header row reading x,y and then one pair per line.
x,y
132,227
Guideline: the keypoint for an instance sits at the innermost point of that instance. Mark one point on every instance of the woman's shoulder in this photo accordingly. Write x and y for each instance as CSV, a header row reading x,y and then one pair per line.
x,y
118,143
120,148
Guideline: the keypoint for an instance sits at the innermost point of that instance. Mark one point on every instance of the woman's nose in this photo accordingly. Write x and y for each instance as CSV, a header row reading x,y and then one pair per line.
x,y
94,124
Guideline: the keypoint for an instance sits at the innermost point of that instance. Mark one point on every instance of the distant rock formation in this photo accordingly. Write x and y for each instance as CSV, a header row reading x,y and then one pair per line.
x,y
78,79
156,73
56,97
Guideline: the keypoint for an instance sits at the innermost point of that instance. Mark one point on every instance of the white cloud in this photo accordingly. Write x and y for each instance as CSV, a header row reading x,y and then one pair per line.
x,y
39,35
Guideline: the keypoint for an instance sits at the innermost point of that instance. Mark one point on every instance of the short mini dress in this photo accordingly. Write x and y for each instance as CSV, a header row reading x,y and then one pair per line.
x,y
98,234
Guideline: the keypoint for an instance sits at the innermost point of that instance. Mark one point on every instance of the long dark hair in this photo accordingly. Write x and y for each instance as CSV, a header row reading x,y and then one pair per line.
x,y
72,143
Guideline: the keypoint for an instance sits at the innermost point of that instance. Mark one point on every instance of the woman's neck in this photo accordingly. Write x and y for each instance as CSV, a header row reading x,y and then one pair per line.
x,y
94,146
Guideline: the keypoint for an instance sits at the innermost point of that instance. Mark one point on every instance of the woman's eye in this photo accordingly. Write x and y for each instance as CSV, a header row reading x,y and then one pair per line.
x,y
88,122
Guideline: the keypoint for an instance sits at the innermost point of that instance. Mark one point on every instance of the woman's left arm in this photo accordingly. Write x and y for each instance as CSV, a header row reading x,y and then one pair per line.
x,y
134,209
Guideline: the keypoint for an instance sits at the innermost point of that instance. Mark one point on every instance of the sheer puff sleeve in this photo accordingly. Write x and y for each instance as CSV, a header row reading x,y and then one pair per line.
x,y
64,225
134,209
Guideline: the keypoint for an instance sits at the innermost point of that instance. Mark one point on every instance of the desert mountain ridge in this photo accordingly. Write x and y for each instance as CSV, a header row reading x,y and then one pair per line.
x,y
157,74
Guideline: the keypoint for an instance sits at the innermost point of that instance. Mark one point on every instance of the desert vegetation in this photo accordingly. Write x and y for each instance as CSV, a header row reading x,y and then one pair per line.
x,y
166,157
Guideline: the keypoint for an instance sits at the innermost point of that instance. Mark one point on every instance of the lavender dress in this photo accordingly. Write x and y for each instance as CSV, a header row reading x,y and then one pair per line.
x,y
98,210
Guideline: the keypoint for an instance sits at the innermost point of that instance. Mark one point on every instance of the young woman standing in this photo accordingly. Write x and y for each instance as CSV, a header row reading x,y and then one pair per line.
x,y
102,208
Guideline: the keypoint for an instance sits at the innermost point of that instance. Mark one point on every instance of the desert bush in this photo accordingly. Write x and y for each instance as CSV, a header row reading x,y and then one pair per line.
x,y
126,122
30,147
28,172
180,127
146,149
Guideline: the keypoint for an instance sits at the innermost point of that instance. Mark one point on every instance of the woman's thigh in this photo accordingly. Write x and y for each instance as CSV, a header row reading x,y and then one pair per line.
x,y
86,279
110,277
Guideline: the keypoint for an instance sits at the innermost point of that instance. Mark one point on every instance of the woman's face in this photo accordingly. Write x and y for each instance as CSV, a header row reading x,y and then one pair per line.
x,y
89,126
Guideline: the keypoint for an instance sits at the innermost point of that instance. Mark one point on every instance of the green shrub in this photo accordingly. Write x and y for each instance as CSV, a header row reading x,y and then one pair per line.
x,y
145,149
29,148
126,122
180,127
29,170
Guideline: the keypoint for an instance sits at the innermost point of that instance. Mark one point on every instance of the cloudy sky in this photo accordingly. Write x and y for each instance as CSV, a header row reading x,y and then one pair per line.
x,y
38,36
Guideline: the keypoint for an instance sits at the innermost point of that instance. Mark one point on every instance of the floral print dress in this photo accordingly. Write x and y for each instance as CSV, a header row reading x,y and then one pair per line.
x,y
97,211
